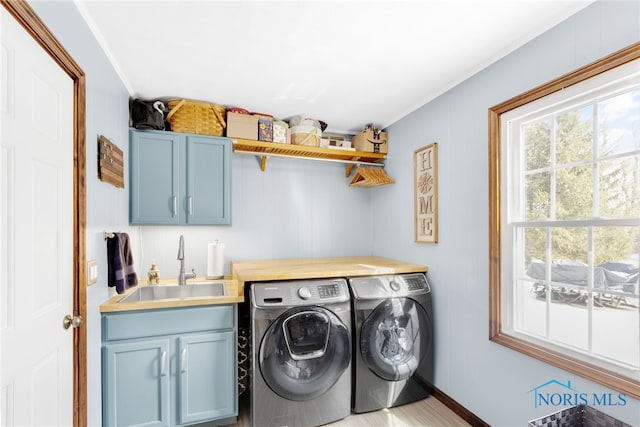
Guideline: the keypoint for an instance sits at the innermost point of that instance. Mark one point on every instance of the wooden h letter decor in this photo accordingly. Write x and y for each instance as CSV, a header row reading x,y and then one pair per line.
x,y
425,181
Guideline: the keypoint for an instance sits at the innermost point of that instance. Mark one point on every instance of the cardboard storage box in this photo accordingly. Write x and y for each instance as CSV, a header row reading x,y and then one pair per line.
x,y
365,141
242,126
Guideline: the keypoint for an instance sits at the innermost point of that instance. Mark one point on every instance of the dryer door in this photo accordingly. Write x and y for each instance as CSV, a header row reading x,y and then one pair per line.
x,y
395,338
304,352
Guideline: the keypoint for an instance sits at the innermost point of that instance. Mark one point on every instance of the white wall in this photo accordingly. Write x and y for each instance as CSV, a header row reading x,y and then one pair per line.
x,y
488,379
294,209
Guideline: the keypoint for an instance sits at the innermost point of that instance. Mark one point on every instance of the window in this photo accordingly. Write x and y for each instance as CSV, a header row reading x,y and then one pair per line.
x,y
564,175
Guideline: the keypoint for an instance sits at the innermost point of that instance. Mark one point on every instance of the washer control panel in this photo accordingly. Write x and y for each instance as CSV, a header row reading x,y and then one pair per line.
x,y
320,291
299,292
331,290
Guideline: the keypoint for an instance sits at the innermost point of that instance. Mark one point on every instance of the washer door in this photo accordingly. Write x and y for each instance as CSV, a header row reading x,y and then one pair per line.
x,y
304,352
395,338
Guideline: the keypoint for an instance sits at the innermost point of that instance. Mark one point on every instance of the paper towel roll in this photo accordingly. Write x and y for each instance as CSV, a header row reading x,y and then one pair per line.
x,y
215,260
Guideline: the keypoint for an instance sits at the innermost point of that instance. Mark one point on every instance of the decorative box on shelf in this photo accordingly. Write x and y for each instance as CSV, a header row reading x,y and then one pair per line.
x,y
265,127
281,132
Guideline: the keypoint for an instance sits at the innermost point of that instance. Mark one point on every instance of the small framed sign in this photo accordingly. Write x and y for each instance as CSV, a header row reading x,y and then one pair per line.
x,y
425,192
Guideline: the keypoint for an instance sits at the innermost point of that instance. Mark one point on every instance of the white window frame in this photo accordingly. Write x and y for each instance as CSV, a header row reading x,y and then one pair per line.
x,y
505,217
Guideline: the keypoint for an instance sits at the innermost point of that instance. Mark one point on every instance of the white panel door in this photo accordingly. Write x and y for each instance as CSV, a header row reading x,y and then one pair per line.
x,y
36,234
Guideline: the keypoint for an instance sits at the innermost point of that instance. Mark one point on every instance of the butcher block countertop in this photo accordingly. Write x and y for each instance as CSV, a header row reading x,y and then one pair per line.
x,y
233,296
317,268
267,270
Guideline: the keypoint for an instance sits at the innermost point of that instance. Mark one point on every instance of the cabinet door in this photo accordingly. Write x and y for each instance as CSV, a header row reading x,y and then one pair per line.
x,y
207,377
208,187
136,383
154,177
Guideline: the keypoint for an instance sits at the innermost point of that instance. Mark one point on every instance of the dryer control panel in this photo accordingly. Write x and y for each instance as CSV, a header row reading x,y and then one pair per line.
x,y
375,287
416,283
299,292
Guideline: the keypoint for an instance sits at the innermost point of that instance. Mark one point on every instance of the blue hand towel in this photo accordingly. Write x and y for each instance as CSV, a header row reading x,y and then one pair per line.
x,y
121,272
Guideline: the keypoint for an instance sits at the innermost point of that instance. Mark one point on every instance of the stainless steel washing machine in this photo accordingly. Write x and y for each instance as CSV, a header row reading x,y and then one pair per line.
x,y
301,352
393,340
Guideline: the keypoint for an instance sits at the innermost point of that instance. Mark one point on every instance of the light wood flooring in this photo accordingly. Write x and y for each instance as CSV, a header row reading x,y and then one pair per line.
x,y
429,412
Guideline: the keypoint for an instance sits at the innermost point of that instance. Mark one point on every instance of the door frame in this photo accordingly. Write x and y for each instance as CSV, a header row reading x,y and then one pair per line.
x,y
32,24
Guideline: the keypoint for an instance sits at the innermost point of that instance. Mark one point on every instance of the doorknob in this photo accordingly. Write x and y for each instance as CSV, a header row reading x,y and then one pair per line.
x,y
70,320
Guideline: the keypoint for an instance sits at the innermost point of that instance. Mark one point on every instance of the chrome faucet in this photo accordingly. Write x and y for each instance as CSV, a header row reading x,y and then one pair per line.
x,y
182,276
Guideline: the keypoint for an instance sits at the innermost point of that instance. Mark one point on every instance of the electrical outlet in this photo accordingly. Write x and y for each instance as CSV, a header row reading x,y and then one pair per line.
x,y
92,272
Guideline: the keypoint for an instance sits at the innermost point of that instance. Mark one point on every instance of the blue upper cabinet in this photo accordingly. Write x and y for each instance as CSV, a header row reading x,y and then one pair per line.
x,y
208,180
179,179
154,177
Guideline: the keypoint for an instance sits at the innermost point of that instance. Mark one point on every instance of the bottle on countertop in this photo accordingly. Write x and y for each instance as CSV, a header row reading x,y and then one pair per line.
x,y
153,275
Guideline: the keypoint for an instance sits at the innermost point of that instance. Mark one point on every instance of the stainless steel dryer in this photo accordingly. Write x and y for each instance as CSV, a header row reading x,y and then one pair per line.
x,y
301,357
393,354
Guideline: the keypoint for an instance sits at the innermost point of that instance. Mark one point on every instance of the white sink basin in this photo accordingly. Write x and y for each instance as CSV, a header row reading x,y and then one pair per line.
x,y
164,292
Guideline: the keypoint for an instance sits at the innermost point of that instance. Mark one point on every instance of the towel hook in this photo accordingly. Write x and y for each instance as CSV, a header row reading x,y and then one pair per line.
x,y
107,235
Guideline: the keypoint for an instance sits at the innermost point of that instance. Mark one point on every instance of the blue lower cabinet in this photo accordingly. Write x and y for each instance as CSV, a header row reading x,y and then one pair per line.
x,y
204,387
136,383
170,373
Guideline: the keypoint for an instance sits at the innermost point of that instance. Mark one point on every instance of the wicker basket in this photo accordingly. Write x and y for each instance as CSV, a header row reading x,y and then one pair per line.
x,y
306,135
578,416
199,117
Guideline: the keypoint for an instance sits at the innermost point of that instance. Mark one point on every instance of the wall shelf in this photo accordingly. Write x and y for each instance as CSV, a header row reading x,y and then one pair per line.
x,y
263,150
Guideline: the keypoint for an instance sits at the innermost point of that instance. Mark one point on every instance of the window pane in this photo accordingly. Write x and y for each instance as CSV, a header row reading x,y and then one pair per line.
x,y
617,245
537,144
568,318
616,334
619,182
569,323
531,308
574,136
538,187
569,245
618,124
616,318
574,193
535,245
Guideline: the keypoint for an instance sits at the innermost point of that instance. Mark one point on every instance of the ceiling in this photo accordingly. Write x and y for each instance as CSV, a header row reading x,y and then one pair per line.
x,y
347,63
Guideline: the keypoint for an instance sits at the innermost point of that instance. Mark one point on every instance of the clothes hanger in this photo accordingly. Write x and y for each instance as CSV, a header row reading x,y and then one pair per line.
x,y
370,177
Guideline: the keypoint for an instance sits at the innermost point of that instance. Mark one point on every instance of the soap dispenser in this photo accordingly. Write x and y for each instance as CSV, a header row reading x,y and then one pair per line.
x,y
153,275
